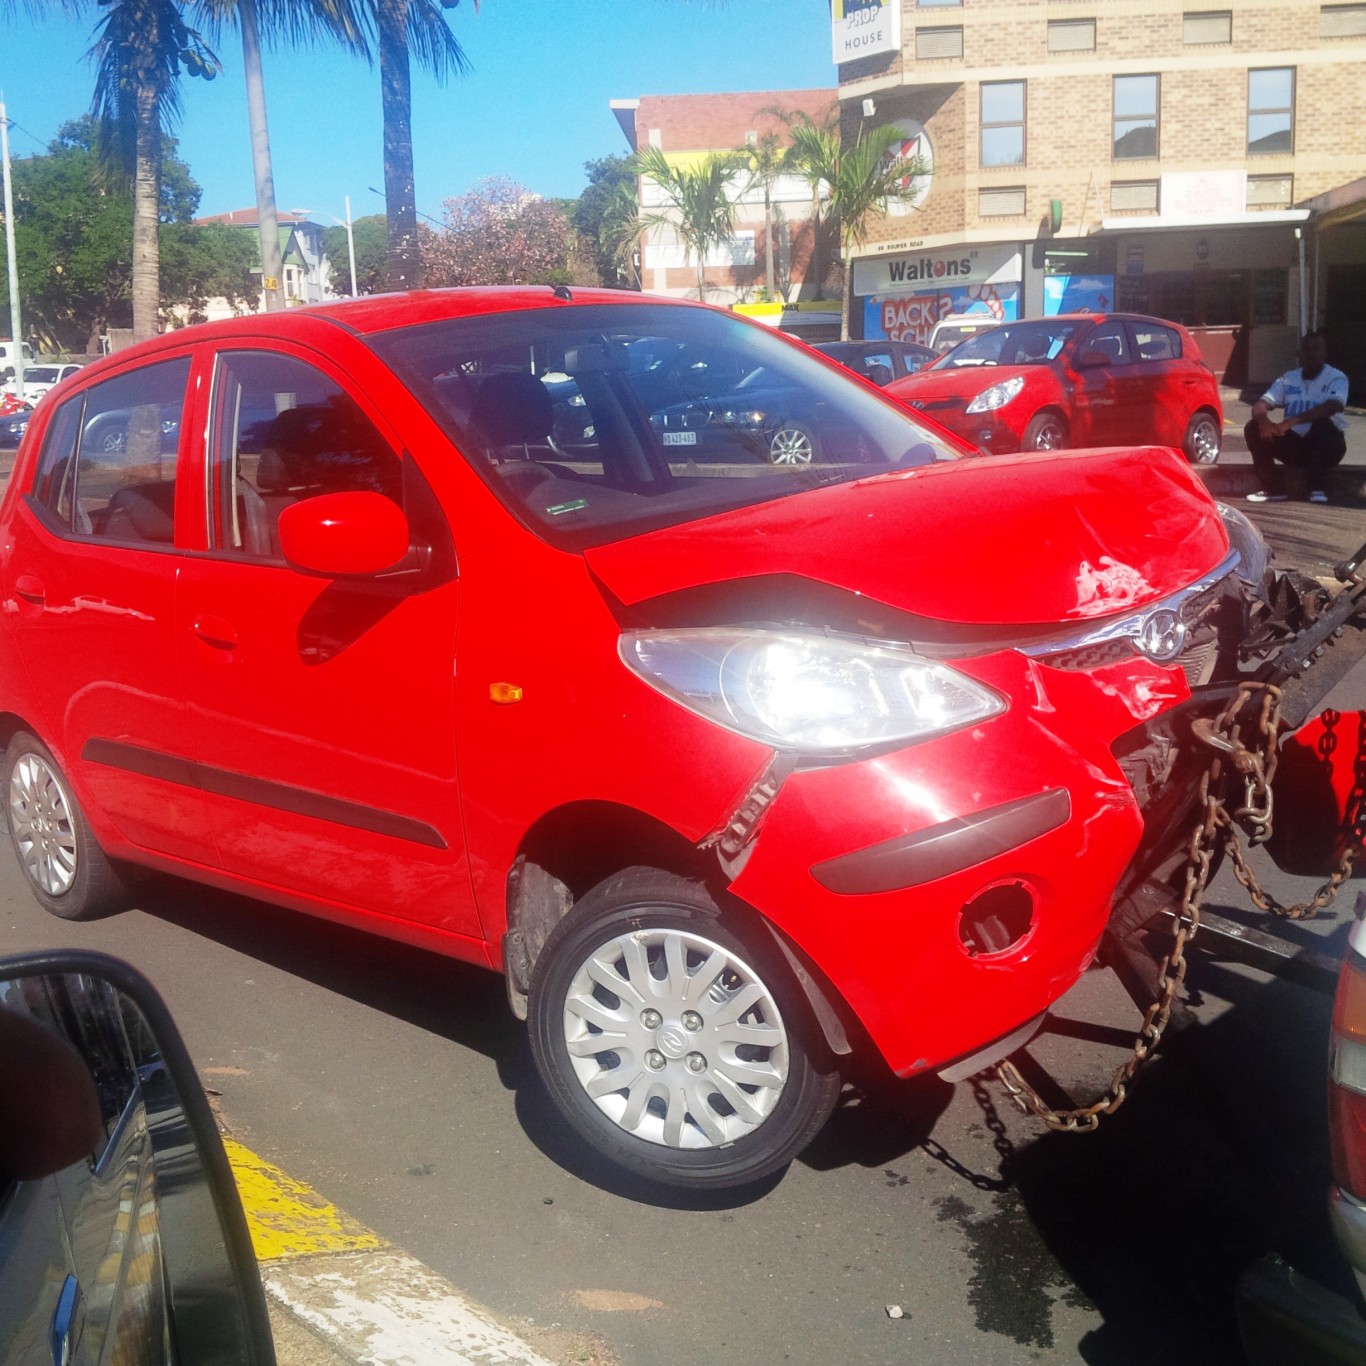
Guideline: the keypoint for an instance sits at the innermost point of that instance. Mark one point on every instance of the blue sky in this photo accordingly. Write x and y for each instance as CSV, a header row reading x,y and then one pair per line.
x,y
533,108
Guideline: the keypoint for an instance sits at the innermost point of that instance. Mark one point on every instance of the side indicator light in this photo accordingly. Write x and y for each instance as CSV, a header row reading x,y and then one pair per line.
x,y
504,694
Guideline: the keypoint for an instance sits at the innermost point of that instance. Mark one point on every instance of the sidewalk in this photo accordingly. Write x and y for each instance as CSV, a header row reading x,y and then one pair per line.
x,y
1232,476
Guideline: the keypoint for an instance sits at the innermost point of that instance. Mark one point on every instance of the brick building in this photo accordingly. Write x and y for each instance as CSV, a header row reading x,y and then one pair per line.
x,y
685,128
1159,155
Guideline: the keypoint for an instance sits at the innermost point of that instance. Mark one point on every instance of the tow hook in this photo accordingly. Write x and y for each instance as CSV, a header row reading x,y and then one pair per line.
x,y
1203,728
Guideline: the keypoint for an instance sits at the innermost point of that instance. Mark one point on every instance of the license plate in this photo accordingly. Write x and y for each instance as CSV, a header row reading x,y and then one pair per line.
x,y
680,438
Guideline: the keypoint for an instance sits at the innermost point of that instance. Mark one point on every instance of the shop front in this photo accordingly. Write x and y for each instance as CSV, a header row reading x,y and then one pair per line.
x,y
902,296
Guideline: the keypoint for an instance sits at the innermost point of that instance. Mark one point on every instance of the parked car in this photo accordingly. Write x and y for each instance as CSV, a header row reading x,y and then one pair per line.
x,y
122,1236
38,379
958,327
1284,1314
14,414
1074,380
732,768
881,361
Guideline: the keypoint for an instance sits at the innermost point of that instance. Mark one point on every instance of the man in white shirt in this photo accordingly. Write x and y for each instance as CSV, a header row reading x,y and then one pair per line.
x,y
1312,435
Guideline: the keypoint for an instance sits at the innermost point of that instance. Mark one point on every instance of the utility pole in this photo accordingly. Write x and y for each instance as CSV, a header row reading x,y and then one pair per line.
x,y
15,331
350,246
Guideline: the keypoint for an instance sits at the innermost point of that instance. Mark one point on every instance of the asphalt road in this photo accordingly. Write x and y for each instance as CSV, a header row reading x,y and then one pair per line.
x,y
400,1087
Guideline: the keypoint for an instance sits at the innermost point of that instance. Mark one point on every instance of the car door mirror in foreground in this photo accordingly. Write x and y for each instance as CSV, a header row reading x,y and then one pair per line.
x,y
344,535
110,1158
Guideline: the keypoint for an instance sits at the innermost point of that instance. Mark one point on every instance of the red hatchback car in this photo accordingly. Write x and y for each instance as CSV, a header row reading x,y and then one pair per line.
x,y
1077,380
732,769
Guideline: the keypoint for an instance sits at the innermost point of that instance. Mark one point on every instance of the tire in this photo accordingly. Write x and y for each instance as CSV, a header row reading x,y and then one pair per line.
x,y
1203,438
626,967
791,444
64,866
1047,431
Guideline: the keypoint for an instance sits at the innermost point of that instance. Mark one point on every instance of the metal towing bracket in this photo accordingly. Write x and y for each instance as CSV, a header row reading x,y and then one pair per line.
x,y
1309,641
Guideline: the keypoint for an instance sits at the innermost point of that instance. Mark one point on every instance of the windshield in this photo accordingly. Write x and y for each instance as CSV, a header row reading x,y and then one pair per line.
x,y
1025,343
600,421
40,374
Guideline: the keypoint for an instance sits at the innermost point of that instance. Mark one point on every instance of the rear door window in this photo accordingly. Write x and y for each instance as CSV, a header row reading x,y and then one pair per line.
x,y
108,464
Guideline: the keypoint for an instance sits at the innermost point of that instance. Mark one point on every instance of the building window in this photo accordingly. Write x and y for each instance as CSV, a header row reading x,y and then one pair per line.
x,y
1005,202
1207,26
1071,35
938,42
1342,21
1135,117
1270,191
1133,196
1003,123
1271,109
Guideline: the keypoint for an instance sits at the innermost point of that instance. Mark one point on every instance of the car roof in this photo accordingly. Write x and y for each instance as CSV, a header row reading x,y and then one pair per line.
x,y
372,314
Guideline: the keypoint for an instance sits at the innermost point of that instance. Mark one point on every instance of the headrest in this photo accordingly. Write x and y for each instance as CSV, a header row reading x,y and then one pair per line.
x,y
511,410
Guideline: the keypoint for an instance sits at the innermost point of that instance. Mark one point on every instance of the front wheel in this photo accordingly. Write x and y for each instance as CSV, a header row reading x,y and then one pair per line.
x,y
791,444
1046,432
1203,438
65,867
672,1044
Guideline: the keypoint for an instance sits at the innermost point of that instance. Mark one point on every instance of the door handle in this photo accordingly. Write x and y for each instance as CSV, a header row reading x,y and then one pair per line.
x,y
30,588
216,631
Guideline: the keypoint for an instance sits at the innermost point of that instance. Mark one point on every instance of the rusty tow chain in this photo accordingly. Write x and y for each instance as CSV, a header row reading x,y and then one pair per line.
x,y
1233,764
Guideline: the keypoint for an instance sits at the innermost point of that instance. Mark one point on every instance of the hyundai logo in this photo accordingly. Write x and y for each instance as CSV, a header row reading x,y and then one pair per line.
x,y
1162,636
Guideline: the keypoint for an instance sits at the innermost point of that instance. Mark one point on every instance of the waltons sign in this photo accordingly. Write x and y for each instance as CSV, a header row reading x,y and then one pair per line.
x,y
929,270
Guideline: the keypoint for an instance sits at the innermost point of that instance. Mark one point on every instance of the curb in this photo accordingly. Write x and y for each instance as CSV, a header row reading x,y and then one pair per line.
x,y
1346,483
367,1302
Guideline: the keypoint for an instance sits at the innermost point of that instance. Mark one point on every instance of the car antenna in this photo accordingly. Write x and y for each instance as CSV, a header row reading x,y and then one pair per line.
x,y
562,292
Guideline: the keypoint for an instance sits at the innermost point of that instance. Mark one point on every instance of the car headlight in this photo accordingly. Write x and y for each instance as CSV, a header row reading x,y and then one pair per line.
x,y
742,417
816,694
1254,555
997,396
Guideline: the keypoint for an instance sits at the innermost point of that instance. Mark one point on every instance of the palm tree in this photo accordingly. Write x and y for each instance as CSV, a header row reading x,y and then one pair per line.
x,y
298,22
700,208
140,50
814,155
766,159
859,179
406,29
619,232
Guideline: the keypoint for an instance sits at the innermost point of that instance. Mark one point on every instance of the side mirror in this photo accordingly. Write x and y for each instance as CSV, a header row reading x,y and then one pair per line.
x,y
102,1094
344,535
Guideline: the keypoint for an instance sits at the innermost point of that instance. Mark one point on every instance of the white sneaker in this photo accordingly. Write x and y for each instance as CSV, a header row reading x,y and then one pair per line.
x,y
1262,497
1318,496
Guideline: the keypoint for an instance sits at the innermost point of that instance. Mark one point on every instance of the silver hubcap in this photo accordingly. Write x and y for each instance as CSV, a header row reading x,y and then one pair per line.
x,y
790,446
41,820
1205,442
675,1039
1049,437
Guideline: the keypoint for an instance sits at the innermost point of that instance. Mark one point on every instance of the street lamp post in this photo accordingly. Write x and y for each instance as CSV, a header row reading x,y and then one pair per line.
x,y
10,256
350,239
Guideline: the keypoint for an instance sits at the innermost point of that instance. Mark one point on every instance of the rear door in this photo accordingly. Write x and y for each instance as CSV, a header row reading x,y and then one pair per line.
x,y
98,542
324,708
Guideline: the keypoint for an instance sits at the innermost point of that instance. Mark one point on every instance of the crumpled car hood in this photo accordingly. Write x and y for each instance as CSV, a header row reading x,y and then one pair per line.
x,y
992,540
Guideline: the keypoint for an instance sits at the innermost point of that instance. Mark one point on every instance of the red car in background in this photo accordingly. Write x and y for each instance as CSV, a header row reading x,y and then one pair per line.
x,y
1083,379
734,769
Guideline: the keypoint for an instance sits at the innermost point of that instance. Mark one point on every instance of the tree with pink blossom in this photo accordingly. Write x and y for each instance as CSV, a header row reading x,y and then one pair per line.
x,y
498,234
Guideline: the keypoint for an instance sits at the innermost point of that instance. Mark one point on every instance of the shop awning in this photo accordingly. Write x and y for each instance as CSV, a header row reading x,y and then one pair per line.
x,y
1185,222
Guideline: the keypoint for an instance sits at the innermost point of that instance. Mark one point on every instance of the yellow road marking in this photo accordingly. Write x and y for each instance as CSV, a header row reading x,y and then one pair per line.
x,y
288,1218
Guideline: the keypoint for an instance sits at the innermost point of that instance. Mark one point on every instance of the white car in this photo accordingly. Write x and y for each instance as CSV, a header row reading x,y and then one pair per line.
x,y
38,379
959,327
